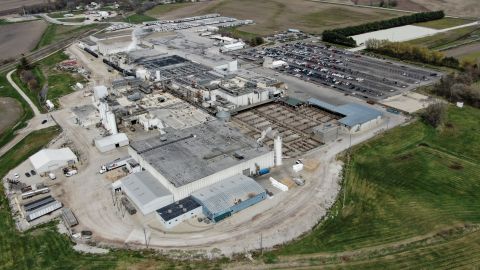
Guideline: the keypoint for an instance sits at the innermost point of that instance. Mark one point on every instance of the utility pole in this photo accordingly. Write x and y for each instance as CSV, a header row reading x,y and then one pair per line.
x,y
261,243
145,235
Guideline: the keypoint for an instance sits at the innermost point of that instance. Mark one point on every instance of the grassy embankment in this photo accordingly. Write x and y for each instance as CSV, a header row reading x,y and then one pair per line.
x,y
139,18
399,188
6,90
161,10
444,23
56,32
448,39
59,82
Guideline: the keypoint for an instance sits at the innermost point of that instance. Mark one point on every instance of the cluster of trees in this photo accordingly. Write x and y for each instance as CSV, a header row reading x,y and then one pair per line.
x,y
233,33
434,114
410,52
258,40
341,35
25,72
381,3
460,87
51,5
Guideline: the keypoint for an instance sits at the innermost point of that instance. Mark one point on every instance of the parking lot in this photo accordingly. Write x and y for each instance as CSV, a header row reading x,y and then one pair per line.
x,y
351,73
294,125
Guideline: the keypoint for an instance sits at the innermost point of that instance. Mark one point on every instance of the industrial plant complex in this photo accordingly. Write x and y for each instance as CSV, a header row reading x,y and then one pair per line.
x,y
180,129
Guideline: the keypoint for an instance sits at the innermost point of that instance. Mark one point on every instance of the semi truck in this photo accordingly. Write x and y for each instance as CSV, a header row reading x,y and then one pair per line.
x,y
120,162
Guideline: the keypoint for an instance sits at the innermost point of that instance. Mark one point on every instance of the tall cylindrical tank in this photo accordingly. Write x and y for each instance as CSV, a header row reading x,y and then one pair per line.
x,y
278,151
223,116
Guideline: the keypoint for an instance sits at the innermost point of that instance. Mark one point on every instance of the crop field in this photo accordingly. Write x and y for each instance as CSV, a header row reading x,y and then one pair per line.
x,y
449,39
279,15
10,110
404,187
444,23
7,91
459,8
11,4
18,38
469,52
167,11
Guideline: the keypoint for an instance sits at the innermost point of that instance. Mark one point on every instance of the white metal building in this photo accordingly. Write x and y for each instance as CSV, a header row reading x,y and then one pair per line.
x,y
145,191
111,142
187,160
232,47
47,160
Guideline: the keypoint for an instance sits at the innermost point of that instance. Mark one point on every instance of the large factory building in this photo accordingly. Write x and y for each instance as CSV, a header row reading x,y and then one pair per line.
x,y
187,160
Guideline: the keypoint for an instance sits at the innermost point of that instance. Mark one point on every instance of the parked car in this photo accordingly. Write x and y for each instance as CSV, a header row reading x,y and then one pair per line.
x,y
44,121
27,174
32,172
71,173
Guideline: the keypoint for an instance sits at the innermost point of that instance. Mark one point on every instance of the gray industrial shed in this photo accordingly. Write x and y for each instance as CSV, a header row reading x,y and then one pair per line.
x,y
355,117
111,142
229,196
146,192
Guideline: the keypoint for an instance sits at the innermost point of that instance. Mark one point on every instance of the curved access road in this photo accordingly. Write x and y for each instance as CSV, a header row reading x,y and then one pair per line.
x,y
34,108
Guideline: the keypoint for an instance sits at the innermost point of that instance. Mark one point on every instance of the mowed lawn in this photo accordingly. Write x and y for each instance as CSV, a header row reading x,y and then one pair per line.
x,y
408,183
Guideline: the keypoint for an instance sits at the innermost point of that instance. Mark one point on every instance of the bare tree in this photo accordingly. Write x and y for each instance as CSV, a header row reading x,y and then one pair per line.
x,y
434,114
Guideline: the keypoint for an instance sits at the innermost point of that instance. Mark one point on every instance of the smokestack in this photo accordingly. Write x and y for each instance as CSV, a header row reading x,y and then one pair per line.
x,y
278,150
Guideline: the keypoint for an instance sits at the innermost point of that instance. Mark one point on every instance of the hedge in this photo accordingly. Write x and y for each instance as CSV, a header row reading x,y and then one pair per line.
x,y
342,35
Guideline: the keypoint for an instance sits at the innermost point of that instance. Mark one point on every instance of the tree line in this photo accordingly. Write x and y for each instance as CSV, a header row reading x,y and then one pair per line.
x,y
410,52
460,87
342,36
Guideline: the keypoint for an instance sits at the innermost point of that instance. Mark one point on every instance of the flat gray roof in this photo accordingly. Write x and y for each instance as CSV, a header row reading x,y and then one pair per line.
x,y
144,187
184,156
222,195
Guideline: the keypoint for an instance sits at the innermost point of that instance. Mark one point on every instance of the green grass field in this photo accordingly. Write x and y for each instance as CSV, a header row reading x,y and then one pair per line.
x,y
471,57
411,201
139,18
408,183
59,82
160,10
448,39
33,95
444,23
56,32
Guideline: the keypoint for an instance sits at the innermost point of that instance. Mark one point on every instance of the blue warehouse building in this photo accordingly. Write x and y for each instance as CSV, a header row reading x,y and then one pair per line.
x,y
229,196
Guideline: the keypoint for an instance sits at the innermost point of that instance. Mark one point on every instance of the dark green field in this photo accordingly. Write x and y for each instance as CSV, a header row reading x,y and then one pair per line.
x,y
412,186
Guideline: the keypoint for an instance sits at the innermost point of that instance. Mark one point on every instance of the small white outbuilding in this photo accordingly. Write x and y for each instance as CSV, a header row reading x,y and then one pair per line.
x,y
47,160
